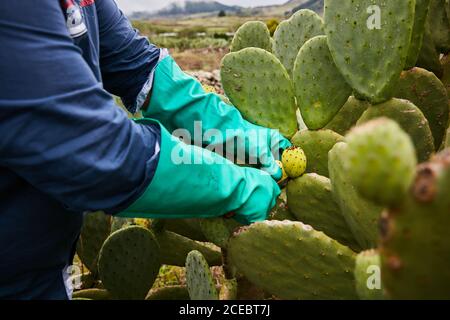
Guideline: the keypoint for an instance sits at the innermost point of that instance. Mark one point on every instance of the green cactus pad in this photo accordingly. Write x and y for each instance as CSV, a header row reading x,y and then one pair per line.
x,y
92,294
129,263
169,293
410,118
175,248
189,228
348,116
293,33
320,89
281,211
96,228
362,216
316,145
415,247
382,161
216,231
368,276
370,56
293,261
440,25
200,282
119,223
259,86
427,92
420,18
229,290
445,62
252,34
311,201
429,56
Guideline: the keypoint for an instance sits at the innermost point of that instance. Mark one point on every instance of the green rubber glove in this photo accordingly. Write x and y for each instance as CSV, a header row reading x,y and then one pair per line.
x,y
191,182
179,101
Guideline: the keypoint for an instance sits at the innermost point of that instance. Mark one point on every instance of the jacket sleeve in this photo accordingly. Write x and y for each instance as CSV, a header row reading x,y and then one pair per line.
x,y
126,58
59,129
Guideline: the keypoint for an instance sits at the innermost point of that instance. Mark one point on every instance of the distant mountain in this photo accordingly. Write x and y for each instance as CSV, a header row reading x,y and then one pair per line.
x,y
189,7
210,7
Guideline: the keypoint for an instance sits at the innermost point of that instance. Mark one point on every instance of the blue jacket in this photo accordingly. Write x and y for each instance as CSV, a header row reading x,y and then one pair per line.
x,y
65,148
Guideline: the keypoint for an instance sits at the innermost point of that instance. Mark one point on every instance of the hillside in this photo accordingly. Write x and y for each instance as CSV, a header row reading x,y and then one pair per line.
x,y
189,9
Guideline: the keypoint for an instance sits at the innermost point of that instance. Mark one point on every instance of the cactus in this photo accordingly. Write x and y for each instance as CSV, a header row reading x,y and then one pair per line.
x,y
445,62
291,34
129,262
311,201
316,145
368,276
252,34
216,231
92,294
353,33
420,18
348,116
259,86
189,228
200,282
440,25
294,162
362,216
429,56
380,150
308,264
424,90
175,248
410,118
168,293
96,228
415,247
281,211
320,89
229,290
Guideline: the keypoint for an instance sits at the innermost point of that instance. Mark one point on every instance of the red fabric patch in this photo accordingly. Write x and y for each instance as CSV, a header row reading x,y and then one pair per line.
x,y
85,3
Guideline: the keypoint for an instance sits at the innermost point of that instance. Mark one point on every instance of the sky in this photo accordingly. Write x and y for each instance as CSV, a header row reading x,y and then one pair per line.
x,y
129,6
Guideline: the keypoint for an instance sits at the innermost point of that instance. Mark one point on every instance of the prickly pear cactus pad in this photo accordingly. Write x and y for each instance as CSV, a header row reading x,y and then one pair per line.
x,y
169,293
320,89
216,231
410,118
368,276
440,25
415,247
420,18
175,249
129,263
429,55
382,159
258,85
92,294
200,282
362,216
293,261
96,228
311,201
427,92
293,33
294,162
348,116
445,62
369,41
316,145
252,34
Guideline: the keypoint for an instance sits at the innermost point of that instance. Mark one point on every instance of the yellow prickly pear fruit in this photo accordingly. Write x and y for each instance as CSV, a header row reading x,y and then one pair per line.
x,y
294,162
285,176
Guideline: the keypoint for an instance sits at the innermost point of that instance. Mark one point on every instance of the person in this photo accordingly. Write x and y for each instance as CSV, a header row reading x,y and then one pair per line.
x,y
66,149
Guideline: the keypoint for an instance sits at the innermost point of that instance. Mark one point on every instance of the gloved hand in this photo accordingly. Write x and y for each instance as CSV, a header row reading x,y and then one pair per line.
x,y
191,182
179,101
